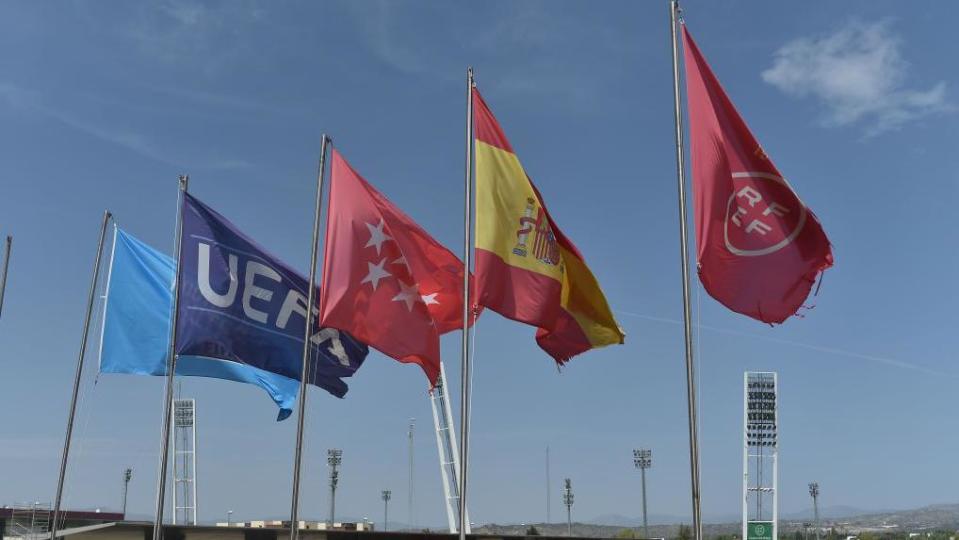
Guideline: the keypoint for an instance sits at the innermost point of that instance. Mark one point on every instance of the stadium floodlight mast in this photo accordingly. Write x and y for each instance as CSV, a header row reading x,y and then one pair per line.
x,y
643,459
334,457
568,501
814,493
127,476
386,495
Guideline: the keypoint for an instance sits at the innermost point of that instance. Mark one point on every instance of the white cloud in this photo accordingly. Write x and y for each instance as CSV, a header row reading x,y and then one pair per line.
x,y
33,103
378,22
859,74
210,34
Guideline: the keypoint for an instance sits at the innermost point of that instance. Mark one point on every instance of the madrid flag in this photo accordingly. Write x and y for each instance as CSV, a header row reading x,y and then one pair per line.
x,y
759,248
386,281
526,269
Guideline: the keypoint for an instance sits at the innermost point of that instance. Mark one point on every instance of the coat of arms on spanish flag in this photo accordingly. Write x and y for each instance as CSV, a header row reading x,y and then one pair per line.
x,y
526,269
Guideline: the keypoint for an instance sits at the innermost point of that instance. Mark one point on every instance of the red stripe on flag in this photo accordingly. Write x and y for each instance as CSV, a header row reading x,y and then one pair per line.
x,y
516,293
565,341
485,124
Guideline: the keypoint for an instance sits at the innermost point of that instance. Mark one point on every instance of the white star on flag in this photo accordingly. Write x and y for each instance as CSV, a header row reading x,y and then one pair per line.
x,y
377,236
430,299
409,294
376,273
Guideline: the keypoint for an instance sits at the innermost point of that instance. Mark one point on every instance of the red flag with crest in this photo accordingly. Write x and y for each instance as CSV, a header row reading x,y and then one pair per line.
x,y
759,248
386,281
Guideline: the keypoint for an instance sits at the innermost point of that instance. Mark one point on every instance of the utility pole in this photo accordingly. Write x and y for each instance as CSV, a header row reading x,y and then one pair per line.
x,y
814,493
127,476
387,495
549,489
409,501
334,457
568,501
643,459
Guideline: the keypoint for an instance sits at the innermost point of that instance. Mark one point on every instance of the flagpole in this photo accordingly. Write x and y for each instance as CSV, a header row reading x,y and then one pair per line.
x,y
6,267
311,299
465,367
91,297
684,255
171,370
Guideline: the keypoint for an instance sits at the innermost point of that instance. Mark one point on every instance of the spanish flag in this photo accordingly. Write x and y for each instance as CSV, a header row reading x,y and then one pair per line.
x,y
526,269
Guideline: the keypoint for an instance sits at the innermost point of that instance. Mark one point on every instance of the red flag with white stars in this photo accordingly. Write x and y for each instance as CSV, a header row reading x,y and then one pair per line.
x,y
759,248
386,281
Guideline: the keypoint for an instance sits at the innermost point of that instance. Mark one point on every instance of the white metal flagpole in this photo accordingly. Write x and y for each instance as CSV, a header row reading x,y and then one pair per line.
x,y
171,372
307,334
465,367
684,255
64,456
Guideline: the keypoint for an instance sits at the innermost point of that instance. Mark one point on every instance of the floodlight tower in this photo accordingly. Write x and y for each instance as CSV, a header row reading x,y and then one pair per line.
x,y
387,495
814,493
334,457
568,501
643,459
127,476
184,461
448,450
760,456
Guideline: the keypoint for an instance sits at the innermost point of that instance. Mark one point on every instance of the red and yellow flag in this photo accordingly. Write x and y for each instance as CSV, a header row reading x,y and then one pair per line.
x,y
526,269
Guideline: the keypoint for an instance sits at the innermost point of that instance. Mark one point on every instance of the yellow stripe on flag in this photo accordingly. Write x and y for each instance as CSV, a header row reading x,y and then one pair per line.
x,y
507,205
585,301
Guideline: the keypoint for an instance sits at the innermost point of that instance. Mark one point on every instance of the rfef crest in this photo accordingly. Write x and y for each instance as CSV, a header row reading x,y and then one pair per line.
x,y
763,214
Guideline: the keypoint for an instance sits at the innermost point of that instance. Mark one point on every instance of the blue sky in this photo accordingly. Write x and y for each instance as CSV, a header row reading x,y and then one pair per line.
x,y
102,104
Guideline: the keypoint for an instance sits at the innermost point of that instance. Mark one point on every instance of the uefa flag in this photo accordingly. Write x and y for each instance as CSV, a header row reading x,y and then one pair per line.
x,y
240,303
526,269
136,327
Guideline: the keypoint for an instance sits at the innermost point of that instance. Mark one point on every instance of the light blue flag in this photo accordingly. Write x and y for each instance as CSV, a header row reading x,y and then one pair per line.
x,y
136,327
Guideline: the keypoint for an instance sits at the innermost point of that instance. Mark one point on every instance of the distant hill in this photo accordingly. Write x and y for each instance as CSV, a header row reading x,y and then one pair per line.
x,y
845,519
831,512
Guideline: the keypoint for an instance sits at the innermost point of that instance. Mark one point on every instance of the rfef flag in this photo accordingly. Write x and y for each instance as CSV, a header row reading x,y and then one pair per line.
x,y
526,269
242,304
386,280
759,248
136,327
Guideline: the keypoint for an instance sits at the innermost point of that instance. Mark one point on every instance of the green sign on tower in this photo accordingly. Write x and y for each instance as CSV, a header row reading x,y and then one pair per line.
x,y
759,530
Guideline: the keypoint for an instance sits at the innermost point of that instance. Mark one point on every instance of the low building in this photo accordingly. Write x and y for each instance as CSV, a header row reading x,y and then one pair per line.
x,y
304,525
25,521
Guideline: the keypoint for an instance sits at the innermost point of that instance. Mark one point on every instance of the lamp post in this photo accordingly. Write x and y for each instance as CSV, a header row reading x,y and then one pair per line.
x,y
643,459
387,494
127,476
568,501
814,493
229,518
334,457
